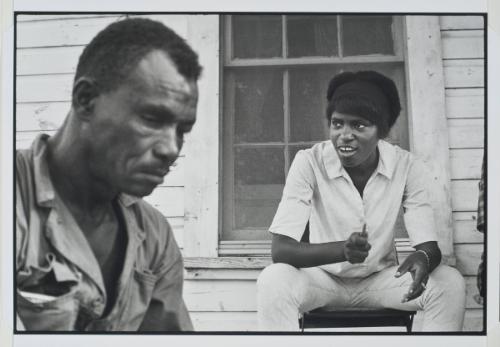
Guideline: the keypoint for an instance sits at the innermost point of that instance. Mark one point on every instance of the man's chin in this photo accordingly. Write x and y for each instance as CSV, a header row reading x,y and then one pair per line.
x,y
139,190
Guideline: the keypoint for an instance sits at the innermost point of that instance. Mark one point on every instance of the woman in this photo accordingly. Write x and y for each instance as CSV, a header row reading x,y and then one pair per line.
x,y
350,190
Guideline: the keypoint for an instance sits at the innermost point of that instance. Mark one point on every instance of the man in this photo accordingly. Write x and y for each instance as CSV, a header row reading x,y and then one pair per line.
x,y
350,190
481,227
90,254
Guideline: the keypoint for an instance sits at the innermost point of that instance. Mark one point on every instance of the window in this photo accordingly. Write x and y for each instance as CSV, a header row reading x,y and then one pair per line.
x,y
275,74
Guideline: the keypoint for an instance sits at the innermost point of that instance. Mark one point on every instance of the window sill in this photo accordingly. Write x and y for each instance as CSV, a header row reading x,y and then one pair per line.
x,y
249,263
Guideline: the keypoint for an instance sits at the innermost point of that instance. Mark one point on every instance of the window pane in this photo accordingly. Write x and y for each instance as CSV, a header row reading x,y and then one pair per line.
x,y
312,36
257,36
308,103
258,106
259,180
363,35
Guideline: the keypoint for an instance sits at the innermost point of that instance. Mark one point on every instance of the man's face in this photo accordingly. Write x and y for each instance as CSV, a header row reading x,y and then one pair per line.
x,y
354,138
137,130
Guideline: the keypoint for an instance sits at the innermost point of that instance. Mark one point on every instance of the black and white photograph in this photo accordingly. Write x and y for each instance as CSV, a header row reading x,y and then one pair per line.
x,y
251,173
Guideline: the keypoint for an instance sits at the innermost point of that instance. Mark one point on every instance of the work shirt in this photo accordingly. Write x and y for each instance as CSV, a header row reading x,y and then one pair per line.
x,y
318,189
53,255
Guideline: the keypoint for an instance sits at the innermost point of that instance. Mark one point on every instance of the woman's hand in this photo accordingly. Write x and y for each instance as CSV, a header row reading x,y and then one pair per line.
x,y
418,265
356,247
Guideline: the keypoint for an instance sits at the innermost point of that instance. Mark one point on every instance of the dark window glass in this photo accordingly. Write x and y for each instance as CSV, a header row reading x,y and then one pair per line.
x,y
258,105
257,36
258,185
312,36
363,35
308,103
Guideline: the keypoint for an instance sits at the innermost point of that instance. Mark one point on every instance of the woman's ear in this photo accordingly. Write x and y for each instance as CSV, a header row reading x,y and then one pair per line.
x,y
85,92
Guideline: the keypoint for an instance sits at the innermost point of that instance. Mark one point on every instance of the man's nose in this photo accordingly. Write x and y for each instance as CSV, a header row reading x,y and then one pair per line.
x,y
167,146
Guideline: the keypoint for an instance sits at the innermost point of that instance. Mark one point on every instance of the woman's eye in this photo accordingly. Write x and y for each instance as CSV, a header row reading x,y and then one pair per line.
x,y
360,126
336,125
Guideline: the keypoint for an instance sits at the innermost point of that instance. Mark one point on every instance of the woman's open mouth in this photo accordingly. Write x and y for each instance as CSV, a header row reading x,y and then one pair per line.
x,y
346,150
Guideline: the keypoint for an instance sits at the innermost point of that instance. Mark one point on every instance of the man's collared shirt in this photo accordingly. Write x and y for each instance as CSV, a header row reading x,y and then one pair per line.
x,y
318,189
52,254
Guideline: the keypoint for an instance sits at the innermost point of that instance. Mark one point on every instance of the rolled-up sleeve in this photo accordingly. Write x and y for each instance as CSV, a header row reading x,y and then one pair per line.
x,y
167,310
418,213
295,205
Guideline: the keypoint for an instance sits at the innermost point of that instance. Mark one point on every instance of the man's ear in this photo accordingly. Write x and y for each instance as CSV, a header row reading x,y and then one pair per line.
x,y
85,93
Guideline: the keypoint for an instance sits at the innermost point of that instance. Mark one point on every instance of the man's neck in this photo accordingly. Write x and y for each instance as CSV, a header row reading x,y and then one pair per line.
x,y
70,175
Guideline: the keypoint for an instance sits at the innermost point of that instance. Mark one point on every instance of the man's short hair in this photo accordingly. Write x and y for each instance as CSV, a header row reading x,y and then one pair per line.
x,y
116,50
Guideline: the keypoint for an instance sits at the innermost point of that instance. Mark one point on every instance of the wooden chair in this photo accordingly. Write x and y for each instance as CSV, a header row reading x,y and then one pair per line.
x,y
354,317
349,318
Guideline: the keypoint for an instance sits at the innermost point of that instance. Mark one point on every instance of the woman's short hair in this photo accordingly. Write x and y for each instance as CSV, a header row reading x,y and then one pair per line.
x,y
367,94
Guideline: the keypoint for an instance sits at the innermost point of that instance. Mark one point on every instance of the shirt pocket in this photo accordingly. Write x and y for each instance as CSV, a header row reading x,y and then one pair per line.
x,y
140,292
47,298
43,314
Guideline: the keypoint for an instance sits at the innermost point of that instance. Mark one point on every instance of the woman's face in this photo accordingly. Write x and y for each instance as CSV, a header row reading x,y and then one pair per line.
x,y
355,139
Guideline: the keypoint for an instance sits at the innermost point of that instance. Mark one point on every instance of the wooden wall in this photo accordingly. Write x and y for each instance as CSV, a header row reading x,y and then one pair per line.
x,y
463,62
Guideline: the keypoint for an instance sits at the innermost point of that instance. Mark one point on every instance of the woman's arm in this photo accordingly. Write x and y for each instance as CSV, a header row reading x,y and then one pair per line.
x,y
302,254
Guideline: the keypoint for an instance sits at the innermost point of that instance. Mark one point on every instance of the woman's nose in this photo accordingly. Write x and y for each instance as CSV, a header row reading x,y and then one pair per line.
x,y
347,133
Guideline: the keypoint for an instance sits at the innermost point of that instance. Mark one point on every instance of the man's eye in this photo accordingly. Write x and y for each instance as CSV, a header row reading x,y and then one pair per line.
x,y
150,119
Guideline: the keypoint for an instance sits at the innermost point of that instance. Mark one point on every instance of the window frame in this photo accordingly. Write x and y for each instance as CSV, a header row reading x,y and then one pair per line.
x,y
259,246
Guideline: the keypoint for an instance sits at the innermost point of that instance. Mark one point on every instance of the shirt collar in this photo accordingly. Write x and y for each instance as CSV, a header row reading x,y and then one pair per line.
x,y
335,169
45,192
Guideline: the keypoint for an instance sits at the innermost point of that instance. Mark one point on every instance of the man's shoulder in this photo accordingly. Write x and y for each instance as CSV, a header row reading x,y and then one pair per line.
x,y
150,217
155,226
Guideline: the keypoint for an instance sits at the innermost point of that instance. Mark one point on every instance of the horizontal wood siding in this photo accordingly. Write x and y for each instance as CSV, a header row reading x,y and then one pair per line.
x,y
463,62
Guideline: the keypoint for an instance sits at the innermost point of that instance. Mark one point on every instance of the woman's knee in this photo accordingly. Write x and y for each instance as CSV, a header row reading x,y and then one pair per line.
x,y
278,279
277,274
449,281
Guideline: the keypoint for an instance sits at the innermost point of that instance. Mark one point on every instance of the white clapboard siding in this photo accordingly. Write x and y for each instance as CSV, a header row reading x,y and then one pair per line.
x,y
79,31
168,200
44,88
463,53
40,61
464,228
465,103
461,22
466,163
468,258
60,32
464,195
41,116
177,224
466,133
463,73
44,17
463,44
